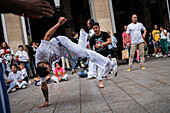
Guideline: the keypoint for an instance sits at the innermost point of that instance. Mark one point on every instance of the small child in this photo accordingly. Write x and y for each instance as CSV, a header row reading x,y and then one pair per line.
x,y
24,72
59,74
15,79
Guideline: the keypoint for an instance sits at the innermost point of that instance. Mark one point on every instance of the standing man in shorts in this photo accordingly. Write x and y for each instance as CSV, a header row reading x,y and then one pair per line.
x,y
156,38
137,40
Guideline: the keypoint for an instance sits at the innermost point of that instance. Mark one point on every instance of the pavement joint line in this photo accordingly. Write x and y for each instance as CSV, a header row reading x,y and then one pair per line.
x,y
147,88
103,96
131,96
24,97
80,94
37,101
59,97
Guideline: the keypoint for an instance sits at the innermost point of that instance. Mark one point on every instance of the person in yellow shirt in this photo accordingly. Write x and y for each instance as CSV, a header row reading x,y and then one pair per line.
x,y
156,37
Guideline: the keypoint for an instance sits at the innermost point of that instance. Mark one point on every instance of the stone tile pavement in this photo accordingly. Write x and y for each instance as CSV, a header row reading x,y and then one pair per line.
x,y
134,92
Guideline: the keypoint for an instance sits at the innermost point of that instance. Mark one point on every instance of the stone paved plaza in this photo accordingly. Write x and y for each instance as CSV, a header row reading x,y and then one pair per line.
x,y
134,92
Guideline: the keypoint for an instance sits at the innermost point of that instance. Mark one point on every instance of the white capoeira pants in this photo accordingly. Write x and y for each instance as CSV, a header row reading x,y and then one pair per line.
x,y
83,43
76,50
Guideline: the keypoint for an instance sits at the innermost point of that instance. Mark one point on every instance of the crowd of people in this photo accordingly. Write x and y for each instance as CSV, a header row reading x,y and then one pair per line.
x,y
85,50
16,67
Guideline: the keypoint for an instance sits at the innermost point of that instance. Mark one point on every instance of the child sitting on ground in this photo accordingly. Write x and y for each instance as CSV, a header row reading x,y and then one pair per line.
x,y
24,72
59,74
15,79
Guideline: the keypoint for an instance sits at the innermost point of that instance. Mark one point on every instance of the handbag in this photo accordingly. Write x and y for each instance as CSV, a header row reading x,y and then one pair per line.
x,y
125,54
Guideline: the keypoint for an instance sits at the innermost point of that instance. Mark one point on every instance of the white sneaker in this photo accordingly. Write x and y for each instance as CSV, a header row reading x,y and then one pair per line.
x,y
168,55
89,77
156,55
29,82
160,55
165,56
153,54
13,90
23,87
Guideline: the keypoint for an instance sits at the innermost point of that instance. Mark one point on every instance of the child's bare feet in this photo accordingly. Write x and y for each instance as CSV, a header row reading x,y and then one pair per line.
x,y
106,77
44,105
101,84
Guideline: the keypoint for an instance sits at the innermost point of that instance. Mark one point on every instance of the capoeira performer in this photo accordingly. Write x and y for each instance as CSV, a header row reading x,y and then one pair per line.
x,y
84,43
49,50
101,40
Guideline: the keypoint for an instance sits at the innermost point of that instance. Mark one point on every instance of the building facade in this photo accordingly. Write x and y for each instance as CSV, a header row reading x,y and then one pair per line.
x,y
111,14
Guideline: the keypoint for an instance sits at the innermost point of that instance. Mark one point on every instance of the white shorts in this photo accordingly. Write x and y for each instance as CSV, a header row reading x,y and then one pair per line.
x,y
42,79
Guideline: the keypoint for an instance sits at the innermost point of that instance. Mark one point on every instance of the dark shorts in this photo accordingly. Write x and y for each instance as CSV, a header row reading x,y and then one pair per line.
x,y
113,52
157,44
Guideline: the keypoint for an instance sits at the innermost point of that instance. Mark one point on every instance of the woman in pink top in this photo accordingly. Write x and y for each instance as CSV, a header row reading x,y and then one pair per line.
x,y
59,74
124,37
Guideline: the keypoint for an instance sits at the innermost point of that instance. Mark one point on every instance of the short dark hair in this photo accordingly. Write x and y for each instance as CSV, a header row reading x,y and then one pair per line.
x,y
73,34
96,23
14,65
20,46
134,14
91,21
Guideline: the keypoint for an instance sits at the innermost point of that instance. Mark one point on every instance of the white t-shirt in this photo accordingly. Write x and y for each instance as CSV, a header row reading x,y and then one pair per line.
x,y
48,51
22,55
135,31
163,36
24,73
15,76
168,37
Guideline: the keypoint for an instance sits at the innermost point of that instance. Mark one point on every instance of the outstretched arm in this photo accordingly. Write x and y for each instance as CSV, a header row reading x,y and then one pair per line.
x,y
28,7
51,31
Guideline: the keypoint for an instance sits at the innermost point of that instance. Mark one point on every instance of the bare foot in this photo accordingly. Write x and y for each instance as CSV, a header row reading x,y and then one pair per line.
x,y
44,105
107,78
101,84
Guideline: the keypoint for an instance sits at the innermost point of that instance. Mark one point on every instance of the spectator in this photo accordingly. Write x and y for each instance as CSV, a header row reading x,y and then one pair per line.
x,y
124,37
65,62
168,37
151,44
6,57
15,79
156,38
24,72
113,47
137,40
92,67
84,72
59,74
164,42
75,40
22,57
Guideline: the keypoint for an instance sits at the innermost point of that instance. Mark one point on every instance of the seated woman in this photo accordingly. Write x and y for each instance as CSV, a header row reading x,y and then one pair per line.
x,y
15,79
37,80
59,74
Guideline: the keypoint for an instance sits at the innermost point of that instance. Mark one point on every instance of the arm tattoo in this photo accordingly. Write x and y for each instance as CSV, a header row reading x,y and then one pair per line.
x,y
45,93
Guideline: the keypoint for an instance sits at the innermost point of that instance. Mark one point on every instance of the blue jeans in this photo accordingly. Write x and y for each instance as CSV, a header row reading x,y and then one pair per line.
x,y
4,105
83,74
12,85
3,68
74,63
